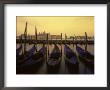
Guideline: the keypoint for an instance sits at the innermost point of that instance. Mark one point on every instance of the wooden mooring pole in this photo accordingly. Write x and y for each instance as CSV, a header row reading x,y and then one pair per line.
x,y
48,45
21,44
25,38
36,38
73,41
61,43
65,38
86,41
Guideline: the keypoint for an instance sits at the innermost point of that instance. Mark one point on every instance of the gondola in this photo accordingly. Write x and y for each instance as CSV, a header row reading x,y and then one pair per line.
x,y
71,60
25,56
54,60
32,64
18,50
86,57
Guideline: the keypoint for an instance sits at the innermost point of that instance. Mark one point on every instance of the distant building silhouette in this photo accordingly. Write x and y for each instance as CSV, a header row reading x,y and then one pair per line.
x,y
41,36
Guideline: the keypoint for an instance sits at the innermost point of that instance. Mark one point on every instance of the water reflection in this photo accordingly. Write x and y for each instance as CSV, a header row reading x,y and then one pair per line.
x,y
63,68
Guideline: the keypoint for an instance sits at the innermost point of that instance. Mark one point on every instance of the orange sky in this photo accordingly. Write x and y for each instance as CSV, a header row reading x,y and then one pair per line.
x,y
70,25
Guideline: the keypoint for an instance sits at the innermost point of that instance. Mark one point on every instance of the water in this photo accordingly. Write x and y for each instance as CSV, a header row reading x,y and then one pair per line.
x,y
63,69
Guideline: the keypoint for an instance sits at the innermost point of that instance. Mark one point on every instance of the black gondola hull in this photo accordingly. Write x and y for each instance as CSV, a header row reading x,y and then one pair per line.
x,y
53,69
88,64
31,68
72,68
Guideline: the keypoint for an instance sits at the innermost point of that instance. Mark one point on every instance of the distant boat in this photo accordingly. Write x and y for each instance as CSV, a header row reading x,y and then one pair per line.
x,y
86,57
71,60
32,64
54,59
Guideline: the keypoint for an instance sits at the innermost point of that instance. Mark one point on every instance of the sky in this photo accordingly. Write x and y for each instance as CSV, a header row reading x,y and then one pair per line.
x,y
55,25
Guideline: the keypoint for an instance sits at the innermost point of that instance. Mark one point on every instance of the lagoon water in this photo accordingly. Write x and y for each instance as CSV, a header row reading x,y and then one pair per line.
x,y
63,69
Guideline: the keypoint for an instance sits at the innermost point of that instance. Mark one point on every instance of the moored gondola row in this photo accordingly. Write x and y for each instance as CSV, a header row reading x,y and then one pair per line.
x,y
32,60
